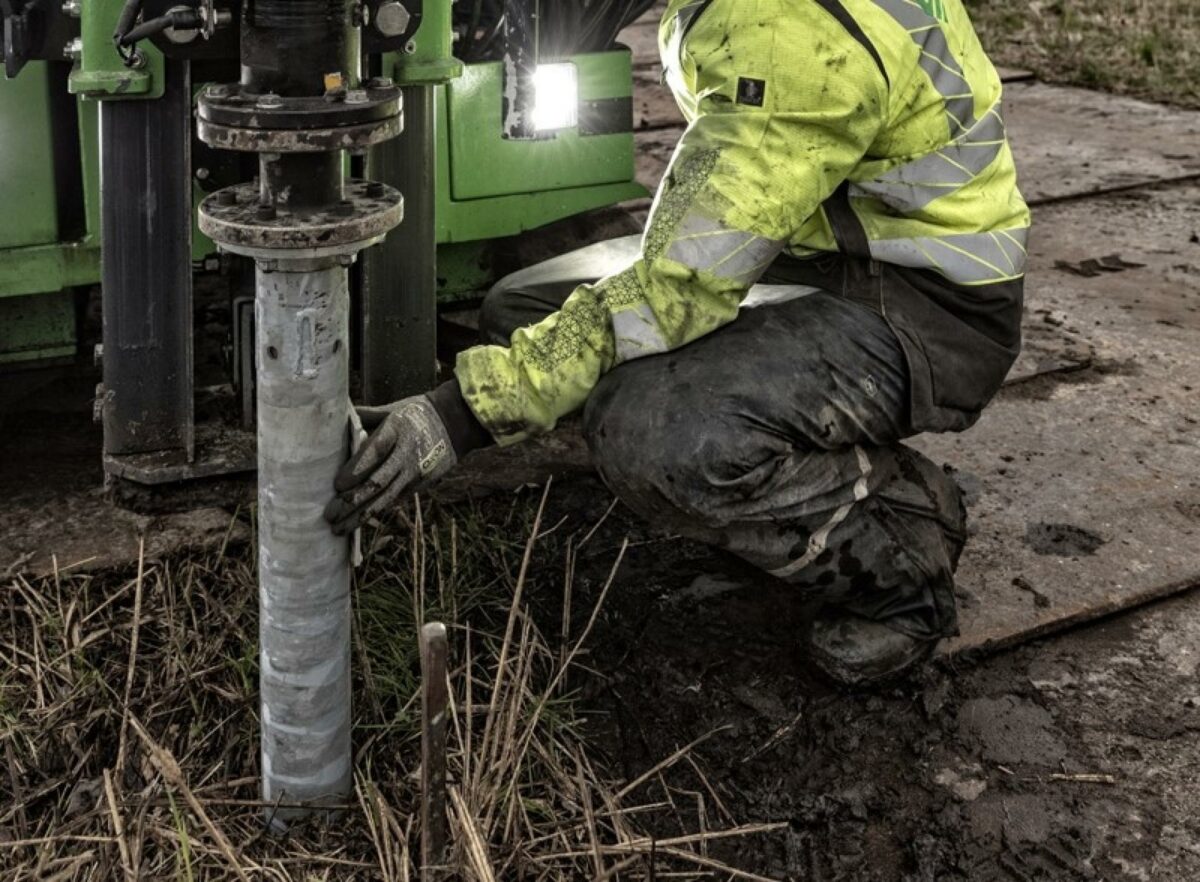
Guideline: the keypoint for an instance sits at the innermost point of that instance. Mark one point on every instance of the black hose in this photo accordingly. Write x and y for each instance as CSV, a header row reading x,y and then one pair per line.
x,y
129,13
181,20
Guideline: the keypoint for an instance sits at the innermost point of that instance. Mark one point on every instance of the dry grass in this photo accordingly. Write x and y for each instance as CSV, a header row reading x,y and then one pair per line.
x,y
1147,48
128,721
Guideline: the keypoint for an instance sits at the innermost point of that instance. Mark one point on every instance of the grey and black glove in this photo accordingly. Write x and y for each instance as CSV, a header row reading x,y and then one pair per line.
x,y
413,441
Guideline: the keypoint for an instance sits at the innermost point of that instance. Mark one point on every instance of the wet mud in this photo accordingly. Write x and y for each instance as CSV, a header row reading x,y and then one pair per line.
x,y
1067,759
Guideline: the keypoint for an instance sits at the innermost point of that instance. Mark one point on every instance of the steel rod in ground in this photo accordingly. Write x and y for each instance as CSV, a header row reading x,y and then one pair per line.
x,y
434,702
302,312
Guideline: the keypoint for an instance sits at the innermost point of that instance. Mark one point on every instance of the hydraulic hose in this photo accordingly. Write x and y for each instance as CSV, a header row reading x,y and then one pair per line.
x,y
129,14
181,19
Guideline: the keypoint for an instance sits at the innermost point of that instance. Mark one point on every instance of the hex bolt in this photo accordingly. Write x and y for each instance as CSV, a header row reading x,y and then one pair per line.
x,y
374,189
228,197
265,212
345,208
202,174
73,51
269,101
391,18
357,96
380,83
73,8
216,90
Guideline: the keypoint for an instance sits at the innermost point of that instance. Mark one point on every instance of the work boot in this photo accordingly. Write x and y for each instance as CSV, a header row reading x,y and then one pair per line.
x,y
855,652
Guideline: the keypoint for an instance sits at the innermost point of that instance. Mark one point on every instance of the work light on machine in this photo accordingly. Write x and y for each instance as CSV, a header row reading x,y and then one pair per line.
x,y
556,97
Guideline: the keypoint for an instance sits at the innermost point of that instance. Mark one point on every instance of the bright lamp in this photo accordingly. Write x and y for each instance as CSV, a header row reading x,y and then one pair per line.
x,y
555,97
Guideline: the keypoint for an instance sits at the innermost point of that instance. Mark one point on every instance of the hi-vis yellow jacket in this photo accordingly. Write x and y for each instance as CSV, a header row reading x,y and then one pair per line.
x,y
888,107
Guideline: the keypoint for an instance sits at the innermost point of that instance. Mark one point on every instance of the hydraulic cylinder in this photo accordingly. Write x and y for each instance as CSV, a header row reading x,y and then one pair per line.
x,y
146,402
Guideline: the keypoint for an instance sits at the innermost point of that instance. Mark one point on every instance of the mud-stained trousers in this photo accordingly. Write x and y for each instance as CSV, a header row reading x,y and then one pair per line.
x,y
776,438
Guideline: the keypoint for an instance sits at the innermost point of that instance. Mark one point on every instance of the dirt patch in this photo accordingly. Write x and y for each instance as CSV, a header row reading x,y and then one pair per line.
x,y
1011,730
1062,540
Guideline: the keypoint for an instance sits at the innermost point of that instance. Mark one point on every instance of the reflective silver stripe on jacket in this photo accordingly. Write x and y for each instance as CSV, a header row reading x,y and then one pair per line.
x,y
969,259
705,244
637,333
977,143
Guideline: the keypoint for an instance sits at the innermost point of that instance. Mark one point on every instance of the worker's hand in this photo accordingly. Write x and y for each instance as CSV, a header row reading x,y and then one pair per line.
x,y
408,444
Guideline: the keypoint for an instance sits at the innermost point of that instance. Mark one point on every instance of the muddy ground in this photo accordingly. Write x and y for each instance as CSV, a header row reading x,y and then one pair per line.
x,y
1072,758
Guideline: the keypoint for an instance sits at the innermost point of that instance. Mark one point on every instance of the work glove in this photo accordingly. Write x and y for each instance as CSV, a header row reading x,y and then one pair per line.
x,y
412,443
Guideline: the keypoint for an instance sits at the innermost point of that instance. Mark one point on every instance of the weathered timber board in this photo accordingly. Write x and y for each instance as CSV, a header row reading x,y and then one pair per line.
x,y
1085,486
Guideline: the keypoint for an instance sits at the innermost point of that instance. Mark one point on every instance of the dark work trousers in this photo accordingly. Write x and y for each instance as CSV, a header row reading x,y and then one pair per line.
x,y
777,438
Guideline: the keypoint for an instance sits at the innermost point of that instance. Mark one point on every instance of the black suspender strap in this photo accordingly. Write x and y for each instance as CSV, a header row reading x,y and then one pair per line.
x,y
848,230
846,20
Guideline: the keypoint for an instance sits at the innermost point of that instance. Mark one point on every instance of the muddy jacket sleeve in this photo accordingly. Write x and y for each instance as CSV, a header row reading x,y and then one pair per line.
x,y
780,119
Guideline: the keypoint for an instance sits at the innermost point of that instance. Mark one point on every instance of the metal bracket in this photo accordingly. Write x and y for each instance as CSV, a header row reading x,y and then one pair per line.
x,y
99,70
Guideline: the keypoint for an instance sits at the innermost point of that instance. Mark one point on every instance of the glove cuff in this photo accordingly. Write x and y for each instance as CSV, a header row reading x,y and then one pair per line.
x,y
465,431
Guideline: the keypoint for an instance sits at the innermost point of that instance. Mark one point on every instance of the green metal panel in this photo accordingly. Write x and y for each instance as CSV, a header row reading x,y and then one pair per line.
x,y
50,265
38,327
490,187
28,215
48,268
484,163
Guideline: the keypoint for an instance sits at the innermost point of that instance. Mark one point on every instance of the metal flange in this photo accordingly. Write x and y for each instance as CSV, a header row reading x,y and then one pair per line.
x,y
234,219
230,118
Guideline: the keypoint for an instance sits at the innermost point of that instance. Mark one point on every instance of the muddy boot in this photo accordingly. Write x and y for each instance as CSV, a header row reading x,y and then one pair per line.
x,y
854,651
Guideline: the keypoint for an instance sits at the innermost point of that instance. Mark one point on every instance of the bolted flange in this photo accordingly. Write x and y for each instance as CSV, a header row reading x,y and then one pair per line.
x,y
237,221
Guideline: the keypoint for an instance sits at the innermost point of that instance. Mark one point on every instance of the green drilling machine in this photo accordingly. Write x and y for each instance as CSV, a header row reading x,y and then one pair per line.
x,y
517,122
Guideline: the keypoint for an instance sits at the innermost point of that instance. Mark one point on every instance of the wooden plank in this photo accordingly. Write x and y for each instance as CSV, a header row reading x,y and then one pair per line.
x,y
1070,141
1085,488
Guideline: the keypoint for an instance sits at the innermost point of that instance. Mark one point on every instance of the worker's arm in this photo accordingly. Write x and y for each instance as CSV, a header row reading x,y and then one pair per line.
x,y
787,109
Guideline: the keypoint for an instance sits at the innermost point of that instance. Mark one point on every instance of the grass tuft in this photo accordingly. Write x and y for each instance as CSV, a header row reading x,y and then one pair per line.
x,y
128,721
1146,48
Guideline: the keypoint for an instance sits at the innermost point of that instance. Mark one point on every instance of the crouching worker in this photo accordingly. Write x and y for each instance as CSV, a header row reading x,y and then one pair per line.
x,y
833,263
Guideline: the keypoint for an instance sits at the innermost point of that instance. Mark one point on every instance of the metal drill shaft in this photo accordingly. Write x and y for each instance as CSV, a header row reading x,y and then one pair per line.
x,y
301,315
